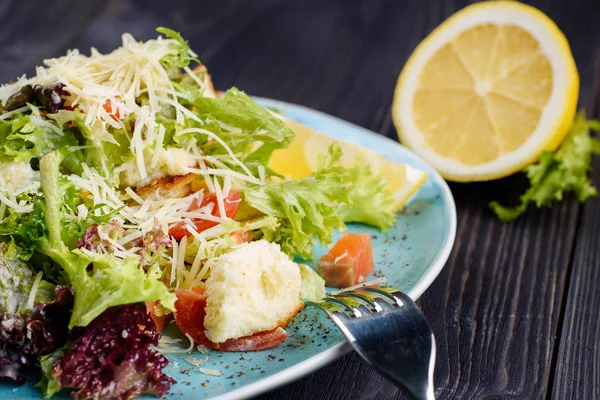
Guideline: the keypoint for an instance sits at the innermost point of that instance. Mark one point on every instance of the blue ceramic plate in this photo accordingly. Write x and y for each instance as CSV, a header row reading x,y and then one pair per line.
x,y
410,255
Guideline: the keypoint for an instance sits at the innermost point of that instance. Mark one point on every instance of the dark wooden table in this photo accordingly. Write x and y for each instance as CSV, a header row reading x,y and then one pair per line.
x,y
516,310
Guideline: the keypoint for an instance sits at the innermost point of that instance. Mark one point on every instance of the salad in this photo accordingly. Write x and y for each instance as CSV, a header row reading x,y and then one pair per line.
x,y
132,195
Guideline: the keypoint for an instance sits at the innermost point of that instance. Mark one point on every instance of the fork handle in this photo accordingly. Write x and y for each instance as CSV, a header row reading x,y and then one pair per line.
x,y
415,391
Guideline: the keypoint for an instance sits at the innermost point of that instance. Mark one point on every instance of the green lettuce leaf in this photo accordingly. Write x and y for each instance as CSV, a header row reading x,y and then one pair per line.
x,y
312,207
307,209
183,58
372,201
26,231
21,140
312,285
16,283
252,132
559,173
103,151
103,281
99,281
49,385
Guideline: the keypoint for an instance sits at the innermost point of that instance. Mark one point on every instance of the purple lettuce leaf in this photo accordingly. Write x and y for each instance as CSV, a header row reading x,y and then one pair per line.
x,y
112,357
15,349
149,245
49,322
24,339
50,97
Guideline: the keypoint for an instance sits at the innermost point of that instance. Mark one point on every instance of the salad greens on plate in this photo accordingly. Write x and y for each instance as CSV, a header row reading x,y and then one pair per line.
x,y
128,188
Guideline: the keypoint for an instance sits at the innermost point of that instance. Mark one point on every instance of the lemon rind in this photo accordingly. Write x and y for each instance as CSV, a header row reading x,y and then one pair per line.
x,y
557,125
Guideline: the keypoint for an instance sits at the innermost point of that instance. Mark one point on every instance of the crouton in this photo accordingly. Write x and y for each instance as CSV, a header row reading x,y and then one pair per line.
x,y
209,89
251,289
172,187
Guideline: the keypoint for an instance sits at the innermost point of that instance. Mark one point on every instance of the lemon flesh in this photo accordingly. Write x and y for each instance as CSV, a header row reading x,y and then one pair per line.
x,y
300,159
487,92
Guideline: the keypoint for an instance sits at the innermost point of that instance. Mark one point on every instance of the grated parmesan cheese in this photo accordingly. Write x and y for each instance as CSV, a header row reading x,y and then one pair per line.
x,y
34,288
169,340
180,260
174,260
209,371
166,347
202,349
195,361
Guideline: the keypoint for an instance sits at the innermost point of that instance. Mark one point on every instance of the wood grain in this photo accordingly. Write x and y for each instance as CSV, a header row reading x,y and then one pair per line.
x,y
498,307
33,30
577,374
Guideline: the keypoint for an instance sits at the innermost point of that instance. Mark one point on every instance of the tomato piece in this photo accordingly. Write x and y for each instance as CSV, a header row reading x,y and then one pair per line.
x,y
189,316
241,237
348,262
114,113
258,341
231,203
160,321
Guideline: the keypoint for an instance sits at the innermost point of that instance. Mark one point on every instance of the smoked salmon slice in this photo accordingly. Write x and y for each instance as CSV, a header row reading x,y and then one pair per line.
x,y
348,262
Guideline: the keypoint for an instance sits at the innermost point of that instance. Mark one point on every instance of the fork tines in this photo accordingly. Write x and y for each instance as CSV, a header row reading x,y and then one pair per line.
x,y
388,330
368,299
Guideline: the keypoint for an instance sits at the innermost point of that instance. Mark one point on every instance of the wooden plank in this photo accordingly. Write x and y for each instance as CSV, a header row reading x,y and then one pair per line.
x,y
34,30
496,307
577,374
207,26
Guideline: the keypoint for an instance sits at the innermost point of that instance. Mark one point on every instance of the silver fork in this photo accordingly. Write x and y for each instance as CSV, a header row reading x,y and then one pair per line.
x,y
389,331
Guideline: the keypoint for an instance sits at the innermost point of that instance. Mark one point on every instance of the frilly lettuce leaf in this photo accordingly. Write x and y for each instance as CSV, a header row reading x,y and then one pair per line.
x,y
103,281
307,209
16,283
184,57
372,203
49,384
99,281
559,173
22,140
312,207
249,130
24,231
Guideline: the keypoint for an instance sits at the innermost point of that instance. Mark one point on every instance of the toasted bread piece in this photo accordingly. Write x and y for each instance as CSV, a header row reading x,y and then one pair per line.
x,y
172,186
283,322
209,89
253,288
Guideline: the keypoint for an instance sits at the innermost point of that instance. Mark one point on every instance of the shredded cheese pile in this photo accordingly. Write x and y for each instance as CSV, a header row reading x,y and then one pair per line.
x,y
119,77
132,86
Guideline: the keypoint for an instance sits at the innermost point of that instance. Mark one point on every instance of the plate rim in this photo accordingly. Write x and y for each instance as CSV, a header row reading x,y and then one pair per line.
x,y
326,357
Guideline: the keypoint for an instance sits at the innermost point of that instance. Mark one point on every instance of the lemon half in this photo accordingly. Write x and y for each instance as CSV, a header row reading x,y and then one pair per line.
x,y
487,91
